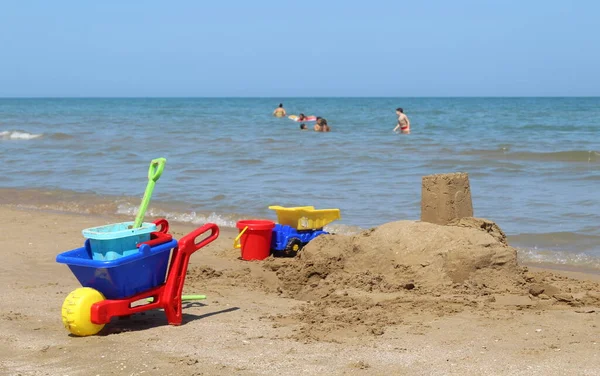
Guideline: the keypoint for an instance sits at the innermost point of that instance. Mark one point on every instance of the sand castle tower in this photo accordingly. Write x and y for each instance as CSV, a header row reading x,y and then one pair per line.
x,y
446,197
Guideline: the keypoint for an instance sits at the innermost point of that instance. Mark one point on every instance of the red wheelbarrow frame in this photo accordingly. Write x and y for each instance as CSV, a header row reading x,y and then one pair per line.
x,y
166,296
159,236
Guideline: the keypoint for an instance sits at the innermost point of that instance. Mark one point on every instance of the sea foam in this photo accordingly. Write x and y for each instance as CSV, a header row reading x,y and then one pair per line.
x,y
18,135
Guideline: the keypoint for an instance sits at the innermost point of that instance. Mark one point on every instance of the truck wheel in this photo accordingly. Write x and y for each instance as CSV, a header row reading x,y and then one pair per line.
x,y
292,247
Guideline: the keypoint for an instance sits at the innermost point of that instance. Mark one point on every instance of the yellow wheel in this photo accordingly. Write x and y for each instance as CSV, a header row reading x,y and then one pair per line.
x,y
292,247
77,309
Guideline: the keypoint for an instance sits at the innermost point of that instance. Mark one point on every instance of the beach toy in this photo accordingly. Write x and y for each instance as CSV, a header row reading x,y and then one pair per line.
x,y
121,277
306,118
116,240
110,288
254,238
185,298
305,217
142,266
154,171
297,226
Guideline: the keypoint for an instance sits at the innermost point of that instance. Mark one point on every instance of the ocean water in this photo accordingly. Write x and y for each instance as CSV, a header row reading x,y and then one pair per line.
x,y
533,163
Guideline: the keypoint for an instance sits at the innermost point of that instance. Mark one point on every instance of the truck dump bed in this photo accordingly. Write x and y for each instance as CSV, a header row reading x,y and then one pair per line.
x,y
305,217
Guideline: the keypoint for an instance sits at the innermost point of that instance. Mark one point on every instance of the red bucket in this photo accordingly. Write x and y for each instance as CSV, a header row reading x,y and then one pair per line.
x,y
255,239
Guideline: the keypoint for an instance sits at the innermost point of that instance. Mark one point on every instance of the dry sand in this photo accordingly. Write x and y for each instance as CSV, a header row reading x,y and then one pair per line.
x,y
406,298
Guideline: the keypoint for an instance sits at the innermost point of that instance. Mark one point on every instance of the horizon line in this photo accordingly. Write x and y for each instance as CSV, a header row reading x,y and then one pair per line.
x,y
297,97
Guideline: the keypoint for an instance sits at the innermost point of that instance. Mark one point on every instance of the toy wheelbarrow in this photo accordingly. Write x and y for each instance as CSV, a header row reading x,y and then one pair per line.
x,y
112,287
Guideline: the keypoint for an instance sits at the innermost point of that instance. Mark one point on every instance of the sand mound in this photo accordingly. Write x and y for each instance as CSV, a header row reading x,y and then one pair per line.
x,y
483,225
403,273
400,256
365,283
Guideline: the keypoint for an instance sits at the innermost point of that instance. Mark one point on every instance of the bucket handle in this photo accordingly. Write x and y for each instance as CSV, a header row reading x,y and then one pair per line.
x,y
236,241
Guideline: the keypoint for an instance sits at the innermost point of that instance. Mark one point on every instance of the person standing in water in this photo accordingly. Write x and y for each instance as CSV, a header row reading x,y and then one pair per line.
x,y
279,111
403,122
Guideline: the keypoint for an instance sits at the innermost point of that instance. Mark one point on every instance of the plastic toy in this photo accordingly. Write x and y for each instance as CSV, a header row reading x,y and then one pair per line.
x,y
111,287
306,118
299,225
116,240
154,171
184,298
254,238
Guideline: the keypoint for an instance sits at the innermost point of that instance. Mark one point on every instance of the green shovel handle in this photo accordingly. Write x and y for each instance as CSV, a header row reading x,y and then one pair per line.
x,y
156,169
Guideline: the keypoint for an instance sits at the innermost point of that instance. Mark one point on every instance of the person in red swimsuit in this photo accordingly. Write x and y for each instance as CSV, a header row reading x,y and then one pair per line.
x,y
403,122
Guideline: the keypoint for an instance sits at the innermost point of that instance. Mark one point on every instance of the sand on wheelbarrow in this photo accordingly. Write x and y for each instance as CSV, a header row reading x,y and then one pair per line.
x,y
363,284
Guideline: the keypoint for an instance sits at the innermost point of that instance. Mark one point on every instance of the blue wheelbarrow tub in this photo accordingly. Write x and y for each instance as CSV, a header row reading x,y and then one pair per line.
x,y
124,276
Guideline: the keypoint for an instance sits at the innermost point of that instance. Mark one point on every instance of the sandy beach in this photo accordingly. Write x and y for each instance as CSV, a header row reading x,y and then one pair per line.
x,y
322,313
435,212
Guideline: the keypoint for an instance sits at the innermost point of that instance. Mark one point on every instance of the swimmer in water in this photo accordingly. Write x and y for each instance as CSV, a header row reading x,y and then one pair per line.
x,y
321,125
403,122
279,111
303,127
301,117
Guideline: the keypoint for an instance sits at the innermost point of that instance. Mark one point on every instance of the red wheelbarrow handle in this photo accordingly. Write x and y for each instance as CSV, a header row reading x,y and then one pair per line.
x,y
171,295
188,243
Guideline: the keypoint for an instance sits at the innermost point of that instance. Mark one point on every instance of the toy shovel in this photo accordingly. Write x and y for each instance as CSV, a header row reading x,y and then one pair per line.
x,y
156,168
184,298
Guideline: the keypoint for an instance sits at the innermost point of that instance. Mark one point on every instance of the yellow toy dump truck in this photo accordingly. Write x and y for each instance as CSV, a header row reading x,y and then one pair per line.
x,y
299,225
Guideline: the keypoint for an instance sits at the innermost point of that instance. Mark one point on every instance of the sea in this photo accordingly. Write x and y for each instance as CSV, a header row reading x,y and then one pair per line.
x,y
533,163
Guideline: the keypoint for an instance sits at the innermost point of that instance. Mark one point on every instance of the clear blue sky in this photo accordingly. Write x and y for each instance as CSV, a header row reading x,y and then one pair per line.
x,y
299,48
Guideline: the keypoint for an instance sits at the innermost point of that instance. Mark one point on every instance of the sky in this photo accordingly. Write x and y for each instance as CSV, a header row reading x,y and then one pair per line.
x,y
201,48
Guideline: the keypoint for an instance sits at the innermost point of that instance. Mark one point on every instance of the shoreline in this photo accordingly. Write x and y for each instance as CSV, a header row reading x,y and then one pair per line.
x,y
567,269
574,272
